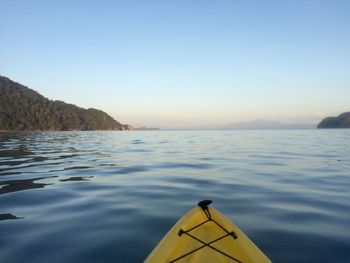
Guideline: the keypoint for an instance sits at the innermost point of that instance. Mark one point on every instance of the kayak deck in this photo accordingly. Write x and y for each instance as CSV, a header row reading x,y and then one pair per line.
x,y
206,235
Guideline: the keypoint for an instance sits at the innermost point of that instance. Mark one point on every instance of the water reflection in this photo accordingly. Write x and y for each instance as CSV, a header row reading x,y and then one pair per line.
x,y
76,179
20,152
9,216
21,185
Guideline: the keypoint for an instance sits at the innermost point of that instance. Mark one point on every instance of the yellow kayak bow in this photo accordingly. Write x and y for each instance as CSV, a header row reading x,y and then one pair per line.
x,y
205,235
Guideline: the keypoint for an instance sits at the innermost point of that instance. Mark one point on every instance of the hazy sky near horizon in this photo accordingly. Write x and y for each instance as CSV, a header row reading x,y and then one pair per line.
x,y
183,63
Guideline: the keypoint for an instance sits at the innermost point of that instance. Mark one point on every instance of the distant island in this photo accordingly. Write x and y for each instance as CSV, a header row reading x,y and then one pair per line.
x,y
23,109
341,121
147,129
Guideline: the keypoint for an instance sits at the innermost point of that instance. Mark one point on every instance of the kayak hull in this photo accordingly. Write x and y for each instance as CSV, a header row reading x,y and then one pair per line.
x,y
206,235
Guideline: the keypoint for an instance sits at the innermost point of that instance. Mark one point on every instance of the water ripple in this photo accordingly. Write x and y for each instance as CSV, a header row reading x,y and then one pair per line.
x,y
107,196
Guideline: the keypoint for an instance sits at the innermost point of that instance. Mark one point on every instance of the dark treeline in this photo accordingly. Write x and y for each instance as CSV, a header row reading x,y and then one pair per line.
x,y
24,109
341,121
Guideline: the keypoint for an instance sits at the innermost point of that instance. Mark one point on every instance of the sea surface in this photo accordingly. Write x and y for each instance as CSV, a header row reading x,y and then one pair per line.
x,y
111,196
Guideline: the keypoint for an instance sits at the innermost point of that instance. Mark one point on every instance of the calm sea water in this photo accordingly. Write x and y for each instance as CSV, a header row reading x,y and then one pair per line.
x,y
111,196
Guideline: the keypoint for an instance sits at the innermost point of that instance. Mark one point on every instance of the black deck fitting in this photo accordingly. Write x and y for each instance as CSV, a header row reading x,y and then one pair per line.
x,y
204,204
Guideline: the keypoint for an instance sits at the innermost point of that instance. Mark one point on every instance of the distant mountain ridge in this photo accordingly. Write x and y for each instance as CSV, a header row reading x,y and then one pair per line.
x,y
265,125
23,109
341,121
256,125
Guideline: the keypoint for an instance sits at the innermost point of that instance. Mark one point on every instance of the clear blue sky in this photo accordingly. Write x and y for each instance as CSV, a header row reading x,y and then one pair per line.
x,y
180,62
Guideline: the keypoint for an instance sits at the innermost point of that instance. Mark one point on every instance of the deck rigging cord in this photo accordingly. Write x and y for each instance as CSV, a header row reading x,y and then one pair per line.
x,y
204,205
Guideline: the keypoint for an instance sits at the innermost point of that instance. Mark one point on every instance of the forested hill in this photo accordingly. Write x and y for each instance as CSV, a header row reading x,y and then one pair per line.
x,y
23,109
341,121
